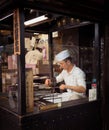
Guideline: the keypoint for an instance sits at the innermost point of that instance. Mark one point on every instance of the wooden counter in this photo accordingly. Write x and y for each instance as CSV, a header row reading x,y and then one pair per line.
x,y
80,115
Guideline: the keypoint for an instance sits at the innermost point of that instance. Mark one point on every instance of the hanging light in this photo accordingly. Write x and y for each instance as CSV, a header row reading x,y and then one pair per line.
x,y
36,20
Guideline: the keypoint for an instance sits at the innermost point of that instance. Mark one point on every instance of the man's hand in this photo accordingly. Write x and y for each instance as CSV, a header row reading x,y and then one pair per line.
x,y
48,82
62,87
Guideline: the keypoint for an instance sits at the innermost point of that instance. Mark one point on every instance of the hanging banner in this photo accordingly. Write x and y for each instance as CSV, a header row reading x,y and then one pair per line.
x,y
16,32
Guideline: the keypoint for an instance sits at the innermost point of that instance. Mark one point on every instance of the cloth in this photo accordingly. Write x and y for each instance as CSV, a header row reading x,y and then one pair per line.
x,y
75,78
62,97
33,56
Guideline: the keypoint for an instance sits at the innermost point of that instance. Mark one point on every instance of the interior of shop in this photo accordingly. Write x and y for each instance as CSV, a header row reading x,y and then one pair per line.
x,y
42,41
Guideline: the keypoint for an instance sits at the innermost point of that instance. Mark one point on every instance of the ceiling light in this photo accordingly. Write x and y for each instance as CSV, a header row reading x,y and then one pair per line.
x,y
35,20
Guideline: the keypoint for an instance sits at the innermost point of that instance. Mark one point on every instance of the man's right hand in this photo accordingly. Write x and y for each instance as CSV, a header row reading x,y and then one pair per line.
x,y
48,82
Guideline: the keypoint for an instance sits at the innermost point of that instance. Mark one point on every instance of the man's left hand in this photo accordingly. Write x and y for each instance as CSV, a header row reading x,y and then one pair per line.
x,y
62,86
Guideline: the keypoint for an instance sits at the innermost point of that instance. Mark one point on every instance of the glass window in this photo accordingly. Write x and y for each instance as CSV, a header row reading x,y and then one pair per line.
x,y
43,41
50,83
8,66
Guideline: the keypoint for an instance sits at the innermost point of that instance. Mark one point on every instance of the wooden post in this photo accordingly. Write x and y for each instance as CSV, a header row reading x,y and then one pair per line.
x,y
19,50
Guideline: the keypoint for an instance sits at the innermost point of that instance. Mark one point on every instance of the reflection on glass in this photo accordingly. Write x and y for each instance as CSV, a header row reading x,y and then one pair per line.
x,y
9,78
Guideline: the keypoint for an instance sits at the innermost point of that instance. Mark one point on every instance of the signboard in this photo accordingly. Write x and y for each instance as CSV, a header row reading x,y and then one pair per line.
x,y
16,31
29,90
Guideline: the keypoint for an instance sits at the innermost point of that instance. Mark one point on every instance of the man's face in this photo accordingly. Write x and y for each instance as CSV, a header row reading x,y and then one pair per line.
x,y
63,65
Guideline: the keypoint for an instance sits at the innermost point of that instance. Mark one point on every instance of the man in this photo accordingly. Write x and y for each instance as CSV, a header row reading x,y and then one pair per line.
x,y
72,75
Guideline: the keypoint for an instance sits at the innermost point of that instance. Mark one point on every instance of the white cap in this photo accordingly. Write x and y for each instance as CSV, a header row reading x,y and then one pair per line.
x,y
62,55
